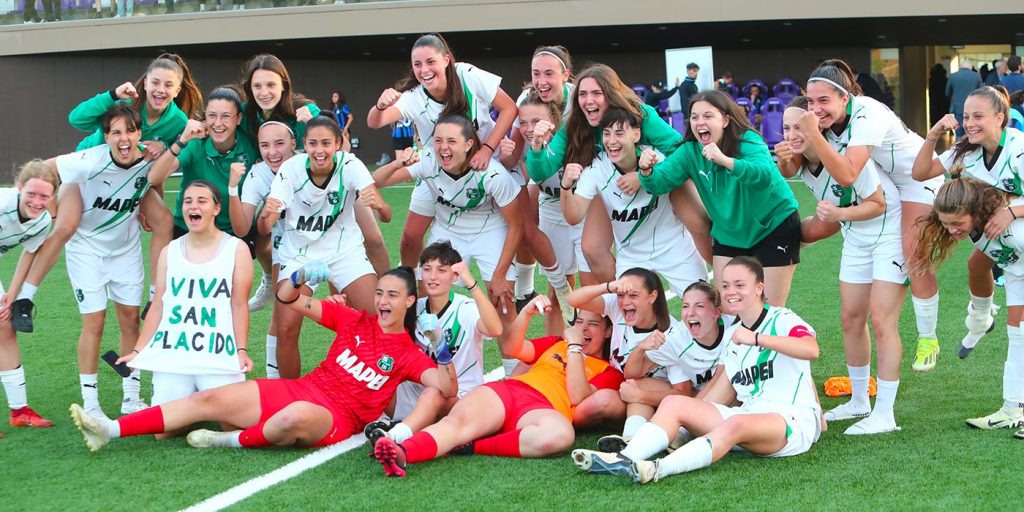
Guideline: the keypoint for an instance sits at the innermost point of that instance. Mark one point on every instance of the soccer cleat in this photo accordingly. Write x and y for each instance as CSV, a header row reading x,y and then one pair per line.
x,y
390,455
927,355
204,438
1005,417
375,425
521,303
873,424
568,312
978,324
601,463
22,311
26,417
131,405
1019,434
264,295
93,429
612,444
644,471
1000,281
682,437
847,411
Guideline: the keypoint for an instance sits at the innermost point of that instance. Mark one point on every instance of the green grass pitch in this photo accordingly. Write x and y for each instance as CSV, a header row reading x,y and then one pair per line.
x,y
934,463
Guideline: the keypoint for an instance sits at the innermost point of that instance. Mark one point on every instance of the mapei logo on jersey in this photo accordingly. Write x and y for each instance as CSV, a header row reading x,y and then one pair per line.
x,y
363,372
704,378
333,198
633,214
140,182
116,204
757,373
315,222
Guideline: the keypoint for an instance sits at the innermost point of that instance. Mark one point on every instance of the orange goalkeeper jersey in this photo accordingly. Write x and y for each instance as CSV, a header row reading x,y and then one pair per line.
x,y
548,373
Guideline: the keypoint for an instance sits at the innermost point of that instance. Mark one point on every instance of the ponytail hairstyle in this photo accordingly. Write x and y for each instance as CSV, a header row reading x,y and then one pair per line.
x,y
739,123
38,169
229,93
284,111
750,263
709,291
189,99
652,283
581,147
406,274
533,98
455,101
561,54
324,122
1000,100
214,191
958,196
466,129
839,72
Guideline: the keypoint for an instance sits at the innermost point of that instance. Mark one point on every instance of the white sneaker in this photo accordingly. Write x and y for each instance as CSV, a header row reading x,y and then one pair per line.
x,y
131,405
93,428
644,471
264,295
568,313
96,412
203,438
1005,417
978,324
601,463
873,424
847,411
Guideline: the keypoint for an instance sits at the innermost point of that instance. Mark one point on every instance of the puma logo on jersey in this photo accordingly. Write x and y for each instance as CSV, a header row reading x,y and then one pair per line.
x,y
898,265
633,214
704,174
105,182
360,371
929,189
782,248
115,205
359,341
616,194
315,222
756,373
307,203
558,357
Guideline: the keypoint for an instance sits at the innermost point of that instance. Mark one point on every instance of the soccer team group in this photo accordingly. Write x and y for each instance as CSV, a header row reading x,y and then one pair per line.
x,y
576,174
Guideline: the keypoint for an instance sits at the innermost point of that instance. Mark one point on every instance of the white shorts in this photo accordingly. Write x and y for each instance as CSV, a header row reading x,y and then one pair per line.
x,y
168,387
1014,287
276,235
803,424
421,201
567,243
344,270
484,248
913,191
406,396
681,266
863,264
94,279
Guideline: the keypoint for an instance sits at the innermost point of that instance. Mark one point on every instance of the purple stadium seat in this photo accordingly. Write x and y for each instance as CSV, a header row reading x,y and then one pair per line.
x,y
734,91
663,105
640,90
747,106
786,90
771,124
758,82
679,123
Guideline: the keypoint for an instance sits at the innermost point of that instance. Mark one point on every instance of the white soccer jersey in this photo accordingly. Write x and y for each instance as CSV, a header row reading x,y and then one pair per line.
x,y
644,225
1007,249
1005,173
567,90
469,204
255,191
868,232
686,360
110,200
758,373
456,325
14,232
894,147
478,85
319,222
625,338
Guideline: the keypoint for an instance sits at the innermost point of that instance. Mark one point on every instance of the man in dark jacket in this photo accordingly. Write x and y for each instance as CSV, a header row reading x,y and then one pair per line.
x,y
688,88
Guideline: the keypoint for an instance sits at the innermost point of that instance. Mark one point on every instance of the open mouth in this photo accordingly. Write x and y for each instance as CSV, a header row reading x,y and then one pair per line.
x,y
446,159
218,130
274,161
593,115
629,314
704,136
383,312
427,78
320,159
194,218
158,100
544,91
124,150
34,211
694,326
614,152
265,101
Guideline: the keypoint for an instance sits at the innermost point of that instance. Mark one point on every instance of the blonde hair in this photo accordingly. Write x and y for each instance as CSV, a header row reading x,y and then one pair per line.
x,y
38,169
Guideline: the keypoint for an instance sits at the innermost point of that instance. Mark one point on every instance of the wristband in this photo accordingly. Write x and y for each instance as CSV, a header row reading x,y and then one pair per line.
x,y
243,348
180,143
1011,212
488,146
565,187
377,106
608,286
233,191
757,342
578,349
171,149
136,351
471,288
287,302
575,344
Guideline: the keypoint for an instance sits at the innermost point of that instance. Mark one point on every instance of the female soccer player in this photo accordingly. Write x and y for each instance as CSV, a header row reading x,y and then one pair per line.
x,y
370,356
964,208
528,416
990,152
318,191
197,335
857,128
104,257
438,86
752,209
646,231
872,274
767,369
25,222
269,87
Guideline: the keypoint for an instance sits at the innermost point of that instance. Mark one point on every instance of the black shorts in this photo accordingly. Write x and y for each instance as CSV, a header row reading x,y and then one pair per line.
x,y
250,239
780,248
400,143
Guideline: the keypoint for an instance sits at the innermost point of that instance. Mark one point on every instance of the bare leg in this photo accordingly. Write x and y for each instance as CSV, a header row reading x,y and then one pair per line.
x,y
475,416
602,407
361,292
777,282
89,341
545,432
597,242
856,340
373,240
430,406
412,238
161,221
689,209
299,423
289,324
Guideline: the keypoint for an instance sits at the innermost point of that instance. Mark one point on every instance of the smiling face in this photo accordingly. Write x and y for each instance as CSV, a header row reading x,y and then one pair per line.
x,y
162,86
958,224
451,147
267,88
428,65
123,141
826,103
592,100
529,115
276,145
740,290
437,278
321,145
392,300
700,315
620,142
199,208
983,124
222,119
637,306
34,197
791,132
595,331
707,122
548,77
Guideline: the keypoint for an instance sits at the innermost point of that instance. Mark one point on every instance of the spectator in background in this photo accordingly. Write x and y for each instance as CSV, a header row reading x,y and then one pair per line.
x,y
1017,110
403,135
125,8
658,93
757,100
724,84
997,73
938,102
961,84
688,88
1013,81
984,72
343,116
871,88
51,11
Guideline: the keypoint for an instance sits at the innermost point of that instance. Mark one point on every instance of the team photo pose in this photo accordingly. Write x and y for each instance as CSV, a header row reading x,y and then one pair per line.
x,y
526,416
645,228
369,357
318,190
195,336
767,369
752,209
853,129
991,152
104,256
25,222
964,208
872,274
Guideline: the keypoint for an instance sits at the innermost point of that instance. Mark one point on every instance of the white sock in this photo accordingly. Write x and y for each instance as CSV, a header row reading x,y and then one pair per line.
x,y
28,291
509,365
633,423
266,279
90,391
982,305
131,385
926,312
14,386
692,456
555,275
1013,370
859,380
400,432
524,279
886,398
234,439
152,292
272,371
648,441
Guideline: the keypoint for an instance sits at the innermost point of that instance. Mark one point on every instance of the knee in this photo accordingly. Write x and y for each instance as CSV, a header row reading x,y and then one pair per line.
x,y
978,263
673,402
852,320
203,400
603,404
432,398
289,420
556,439
884,328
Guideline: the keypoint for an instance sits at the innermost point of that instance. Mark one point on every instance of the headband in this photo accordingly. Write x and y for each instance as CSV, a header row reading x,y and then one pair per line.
x,y
830,82
279,123
559,59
